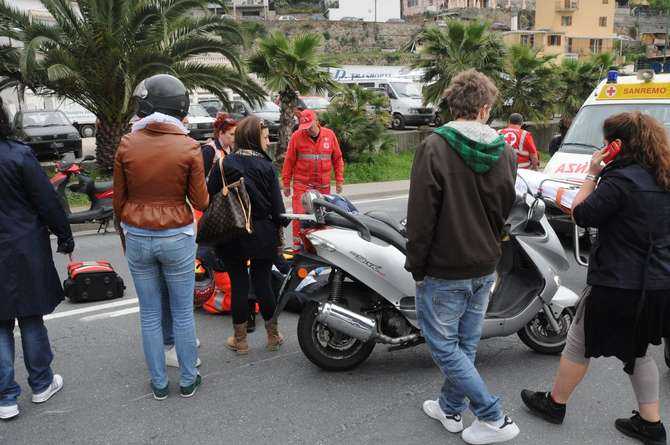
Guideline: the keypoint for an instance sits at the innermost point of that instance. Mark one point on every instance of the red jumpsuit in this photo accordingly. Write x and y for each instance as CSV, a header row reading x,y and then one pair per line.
x,y
308,165
523,144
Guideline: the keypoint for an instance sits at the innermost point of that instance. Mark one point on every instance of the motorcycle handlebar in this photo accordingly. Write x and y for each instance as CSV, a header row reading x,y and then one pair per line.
x,y
364,230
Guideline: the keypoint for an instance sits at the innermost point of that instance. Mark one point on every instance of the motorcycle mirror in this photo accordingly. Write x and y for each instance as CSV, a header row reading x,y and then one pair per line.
x,y
536,211
88,158
308,200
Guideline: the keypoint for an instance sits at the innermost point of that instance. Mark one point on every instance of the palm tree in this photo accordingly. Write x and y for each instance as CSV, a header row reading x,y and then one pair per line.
x,y
291,67
459,47
578,80
359,118
97,51
531,85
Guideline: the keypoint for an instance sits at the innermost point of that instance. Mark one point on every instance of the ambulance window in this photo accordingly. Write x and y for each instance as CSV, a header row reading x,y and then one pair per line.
x,y
586,133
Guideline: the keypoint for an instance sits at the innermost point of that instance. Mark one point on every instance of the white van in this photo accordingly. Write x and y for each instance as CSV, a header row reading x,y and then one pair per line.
x,y
406,100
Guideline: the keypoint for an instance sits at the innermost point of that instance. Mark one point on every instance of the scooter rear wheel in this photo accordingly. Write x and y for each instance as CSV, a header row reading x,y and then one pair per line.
x,y
540,337
327,349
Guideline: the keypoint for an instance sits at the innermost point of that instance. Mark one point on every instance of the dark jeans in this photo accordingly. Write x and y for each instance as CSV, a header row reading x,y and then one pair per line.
x,y
260,273
37,356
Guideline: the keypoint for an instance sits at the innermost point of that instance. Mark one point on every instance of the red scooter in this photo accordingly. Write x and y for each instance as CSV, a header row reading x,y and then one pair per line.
x,y
100,194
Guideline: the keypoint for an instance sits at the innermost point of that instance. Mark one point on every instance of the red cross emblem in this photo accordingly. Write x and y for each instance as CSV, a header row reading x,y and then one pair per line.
x,y
510,138
611,91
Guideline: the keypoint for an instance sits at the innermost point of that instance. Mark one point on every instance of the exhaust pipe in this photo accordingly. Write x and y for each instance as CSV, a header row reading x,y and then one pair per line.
x,y
355,325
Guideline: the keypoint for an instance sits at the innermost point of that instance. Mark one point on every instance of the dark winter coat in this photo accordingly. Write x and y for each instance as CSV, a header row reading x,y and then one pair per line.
x,y
29,209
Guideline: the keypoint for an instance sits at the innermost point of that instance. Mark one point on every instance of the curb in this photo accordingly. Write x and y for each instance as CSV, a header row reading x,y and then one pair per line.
x,y
398,191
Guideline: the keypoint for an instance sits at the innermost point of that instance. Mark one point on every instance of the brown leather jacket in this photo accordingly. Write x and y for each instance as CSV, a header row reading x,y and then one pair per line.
x,y
158,171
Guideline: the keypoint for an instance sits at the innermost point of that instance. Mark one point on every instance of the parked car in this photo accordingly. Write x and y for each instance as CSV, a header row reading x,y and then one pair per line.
x,y
395,21
82,119
47,132
268,111
286,18
316,103
200,123
351,19
213,106
317,17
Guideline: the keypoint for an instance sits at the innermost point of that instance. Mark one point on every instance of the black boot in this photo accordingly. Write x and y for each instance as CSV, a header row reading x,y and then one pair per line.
x,y
542,405
638,428
251,322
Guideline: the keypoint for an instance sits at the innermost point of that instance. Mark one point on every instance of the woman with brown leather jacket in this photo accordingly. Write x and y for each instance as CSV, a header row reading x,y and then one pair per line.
x,y
627,306
158,177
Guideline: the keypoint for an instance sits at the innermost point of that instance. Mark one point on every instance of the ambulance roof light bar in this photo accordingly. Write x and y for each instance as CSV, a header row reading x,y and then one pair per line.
x,y
612,75
646,75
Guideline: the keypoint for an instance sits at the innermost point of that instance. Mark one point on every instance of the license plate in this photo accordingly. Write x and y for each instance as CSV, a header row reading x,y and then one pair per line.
x,y
57,145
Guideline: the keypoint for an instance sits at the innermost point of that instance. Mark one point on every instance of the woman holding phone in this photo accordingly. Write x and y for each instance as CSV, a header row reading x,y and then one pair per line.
x,y
627,306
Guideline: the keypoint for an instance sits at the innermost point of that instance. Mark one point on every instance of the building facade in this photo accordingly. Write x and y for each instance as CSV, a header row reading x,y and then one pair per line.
x,y
366,10
570,28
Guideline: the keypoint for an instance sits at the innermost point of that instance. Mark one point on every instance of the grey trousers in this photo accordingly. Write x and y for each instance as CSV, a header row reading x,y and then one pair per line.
x,y
645,379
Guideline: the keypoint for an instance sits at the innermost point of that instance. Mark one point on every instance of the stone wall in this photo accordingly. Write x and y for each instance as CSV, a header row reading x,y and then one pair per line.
x,y
346,36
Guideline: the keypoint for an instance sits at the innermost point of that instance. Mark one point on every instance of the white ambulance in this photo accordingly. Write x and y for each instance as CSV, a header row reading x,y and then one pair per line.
x,y
644,91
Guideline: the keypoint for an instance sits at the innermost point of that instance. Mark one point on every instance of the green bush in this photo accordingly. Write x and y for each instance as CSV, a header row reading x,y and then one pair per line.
x,y
385,166
359,118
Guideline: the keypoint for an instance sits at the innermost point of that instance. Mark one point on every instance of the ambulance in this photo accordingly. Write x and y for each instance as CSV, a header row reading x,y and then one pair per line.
x,y
643,91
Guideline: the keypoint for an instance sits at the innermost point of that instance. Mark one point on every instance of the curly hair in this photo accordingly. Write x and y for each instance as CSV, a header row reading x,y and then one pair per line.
x,y
643,139
468,93
223,123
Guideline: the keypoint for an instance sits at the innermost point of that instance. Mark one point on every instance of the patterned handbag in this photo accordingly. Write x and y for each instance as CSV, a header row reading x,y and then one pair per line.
x,y
228,216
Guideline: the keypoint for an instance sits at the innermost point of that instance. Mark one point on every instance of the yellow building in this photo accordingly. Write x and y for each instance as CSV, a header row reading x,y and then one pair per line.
x,y
570,28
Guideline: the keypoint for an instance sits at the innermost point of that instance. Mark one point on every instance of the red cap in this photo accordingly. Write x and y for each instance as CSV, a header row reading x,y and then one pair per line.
x,y
307,118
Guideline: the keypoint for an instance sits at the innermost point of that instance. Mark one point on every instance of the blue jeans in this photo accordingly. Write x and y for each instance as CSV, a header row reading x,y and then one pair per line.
x,y
162,270
451,314
37,356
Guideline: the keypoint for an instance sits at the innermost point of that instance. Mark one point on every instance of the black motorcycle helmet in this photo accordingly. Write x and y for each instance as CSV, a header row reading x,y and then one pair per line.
x,y
162,93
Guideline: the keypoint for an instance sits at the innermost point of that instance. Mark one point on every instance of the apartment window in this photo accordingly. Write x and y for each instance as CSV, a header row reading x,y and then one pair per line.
x,y
412,3
566,20
606,2
554,40
603,21
528,40
596,46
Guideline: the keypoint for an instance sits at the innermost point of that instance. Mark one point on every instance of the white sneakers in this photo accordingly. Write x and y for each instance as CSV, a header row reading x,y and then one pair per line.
x,y
171,359
479,433
56,385
453,424
9,412
482,433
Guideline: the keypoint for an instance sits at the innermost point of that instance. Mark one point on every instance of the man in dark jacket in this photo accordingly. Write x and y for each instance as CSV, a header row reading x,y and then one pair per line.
x,y
29,284
462,190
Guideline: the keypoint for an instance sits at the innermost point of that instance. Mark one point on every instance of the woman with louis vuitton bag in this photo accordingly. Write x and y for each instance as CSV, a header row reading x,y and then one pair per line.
x,y
251,164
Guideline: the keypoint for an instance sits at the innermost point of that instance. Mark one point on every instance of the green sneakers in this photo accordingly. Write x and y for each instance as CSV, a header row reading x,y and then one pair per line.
x,y
189,391
160,393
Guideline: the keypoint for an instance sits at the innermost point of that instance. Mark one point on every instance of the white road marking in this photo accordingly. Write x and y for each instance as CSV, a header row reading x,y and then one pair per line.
x,y
391,198
115,314
88,309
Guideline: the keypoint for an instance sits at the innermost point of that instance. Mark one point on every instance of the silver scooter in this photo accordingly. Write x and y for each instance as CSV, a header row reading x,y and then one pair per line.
x,y
370,297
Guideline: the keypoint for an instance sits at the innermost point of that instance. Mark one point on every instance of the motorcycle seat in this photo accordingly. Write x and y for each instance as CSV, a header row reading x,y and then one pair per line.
x,y
388,220
102,186
377,229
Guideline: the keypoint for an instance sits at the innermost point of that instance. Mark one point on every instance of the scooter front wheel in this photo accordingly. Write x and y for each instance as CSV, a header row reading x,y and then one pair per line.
x,y
539,336
328,349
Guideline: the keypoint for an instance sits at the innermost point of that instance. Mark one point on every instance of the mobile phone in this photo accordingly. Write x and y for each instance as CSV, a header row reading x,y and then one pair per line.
x,y
612,151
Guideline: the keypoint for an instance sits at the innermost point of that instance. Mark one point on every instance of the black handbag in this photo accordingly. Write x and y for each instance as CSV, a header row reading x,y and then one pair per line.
x,y
228,216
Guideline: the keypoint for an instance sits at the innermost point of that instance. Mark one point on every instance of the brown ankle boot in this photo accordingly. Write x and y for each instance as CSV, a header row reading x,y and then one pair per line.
x,y
238,342
275,339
